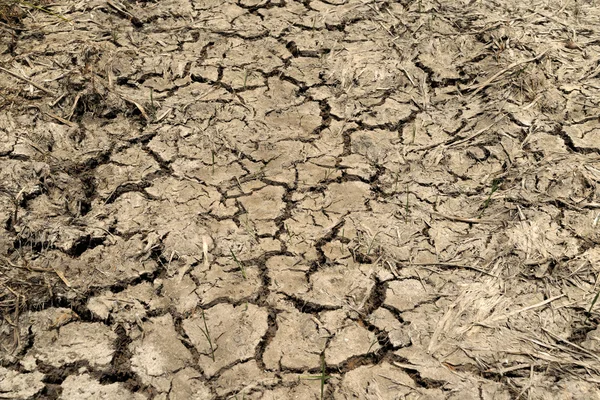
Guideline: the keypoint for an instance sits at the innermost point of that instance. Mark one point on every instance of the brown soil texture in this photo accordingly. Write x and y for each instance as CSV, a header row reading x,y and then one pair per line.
x,y
317,199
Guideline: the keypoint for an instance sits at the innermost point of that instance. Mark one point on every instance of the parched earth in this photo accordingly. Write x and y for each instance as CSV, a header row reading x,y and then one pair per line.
x,y
318,199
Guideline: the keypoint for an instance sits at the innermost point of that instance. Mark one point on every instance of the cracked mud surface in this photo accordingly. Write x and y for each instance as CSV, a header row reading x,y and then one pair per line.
x,y
222,199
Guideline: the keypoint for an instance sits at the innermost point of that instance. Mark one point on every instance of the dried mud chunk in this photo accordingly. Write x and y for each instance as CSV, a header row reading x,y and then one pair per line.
x,y
72,240
15,385
180,293
249,26
348,197
306,70
355,164
383,381
339,285
579,389
22,177
281,169
201,107
460,163
340,198
298,122
69,146
345,107
100,306
188,192
162,84
296,345
430,368
311,174
227,236
592,341
546,143
225,209
5,239
386,321
333,320
314,42
270,245
187,384
209,174
422,322
254,3
586,135
130,305
77,341
568,182
278,95
553,103
407,294
362,30
159,353
235,332
545,387
523,117
324,151
246,188
121,261
288,275
49,319
378,146
129,167
8,136
350,341
278,159
164,144
241,78
361,70
279,19
582,223
462,206
46,223
183,234
337,251
449,239
259,228
262,55
295,389
169,8
266,203
243,378
84,387
68,189
306,227
391,112
440,64
426,130
224,280
340,12
130,212
494,391
205,72
298,246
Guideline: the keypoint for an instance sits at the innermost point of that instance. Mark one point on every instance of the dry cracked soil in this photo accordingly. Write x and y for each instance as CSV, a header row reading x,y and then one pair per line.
x,y
317,199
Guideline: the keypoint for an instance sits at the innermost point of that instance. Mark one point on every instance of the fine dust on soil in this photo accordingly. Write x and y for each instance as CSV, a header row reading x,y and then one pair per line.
x,y
214,199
